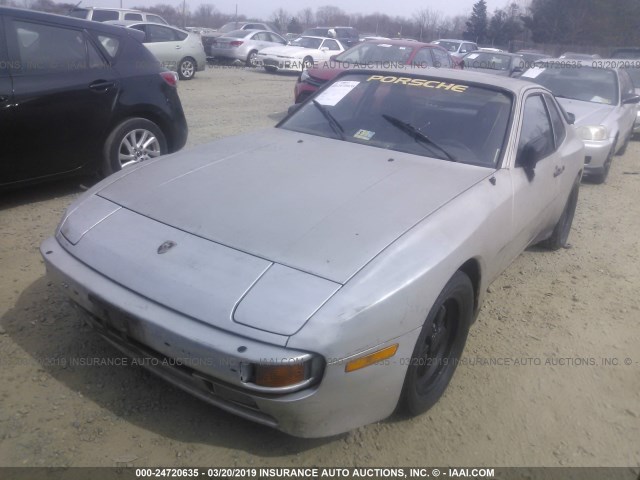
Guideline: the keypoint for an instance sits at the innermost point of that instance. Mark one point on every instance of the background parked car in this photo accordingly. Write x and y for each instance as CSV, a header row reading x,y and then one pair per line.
x,y
209,37
348,36
374,54
604,103
456,48
634,73
496,63
244,45
85,97
579,56
302,52
100,14
177,50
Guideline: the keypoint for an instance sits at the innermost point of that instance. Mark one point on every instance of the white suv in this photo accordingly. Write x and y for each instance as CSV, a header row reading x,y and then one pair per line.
x,y
100,14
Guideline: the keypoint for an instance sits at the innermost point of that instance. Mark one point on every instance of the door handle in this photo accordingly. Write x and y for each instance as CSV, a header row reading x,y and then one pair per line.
x,y
178,47
101,85
558,171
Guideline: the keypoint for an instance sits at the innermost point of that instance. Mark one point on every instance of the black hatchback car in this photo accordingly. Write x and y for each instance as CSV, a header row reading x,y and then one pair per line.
x,y
79,96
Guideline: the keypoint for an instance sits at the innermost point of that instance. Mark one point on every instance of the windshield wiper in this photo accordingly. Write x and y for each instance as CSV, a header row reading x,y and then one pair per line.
x,y
417,134
335,125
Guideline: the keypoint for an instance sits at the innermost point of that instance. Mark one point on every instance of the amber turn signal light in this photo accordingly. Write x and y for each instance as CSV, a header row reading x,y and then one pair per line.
x,y
371,359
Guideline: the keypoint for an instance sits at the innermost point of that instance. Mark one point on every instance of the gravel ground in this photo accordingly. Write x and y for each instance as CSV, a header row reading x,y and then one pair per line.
x,y
567,322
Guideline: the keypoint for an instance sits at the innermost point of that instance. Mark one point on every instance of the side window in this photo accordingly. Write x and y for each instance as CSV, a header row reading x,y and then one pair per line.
x,y
261,37
536,130
47,49
423,58
275,38
133,16
155,19
104,15
156,33
626,85
442,58
110,44
559,130
180,35
331,45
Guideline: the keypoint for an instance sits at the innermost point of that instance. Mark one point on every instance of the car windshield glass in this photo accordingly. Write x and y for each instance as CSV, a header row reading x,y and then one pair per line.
x,y
430,117
634,73
237,34
229,27
307,42
450,46
578,82
373,53
488,61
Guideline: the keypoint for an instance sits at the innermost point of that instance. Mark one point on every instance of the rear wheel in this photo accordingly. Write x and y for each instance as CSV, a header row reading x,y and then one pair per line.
x,y
132,141
307,63
252,59
560,235
187,68
439,346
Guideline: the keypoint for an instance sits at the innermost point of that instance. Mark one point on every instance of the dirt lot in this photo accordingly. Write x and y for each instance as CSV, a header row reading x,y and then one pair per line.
x,y
567,322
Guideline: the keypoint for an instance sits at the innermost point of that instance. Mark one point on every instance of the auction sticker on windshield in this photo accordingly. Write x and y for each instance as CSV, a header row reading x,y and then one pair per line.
x,y
336,92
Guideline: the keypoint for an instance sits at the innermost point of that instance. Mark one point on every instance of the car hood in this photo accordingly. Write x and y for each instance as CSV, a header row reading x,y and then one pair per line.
x,y
287,50
314,204
326,74
587,113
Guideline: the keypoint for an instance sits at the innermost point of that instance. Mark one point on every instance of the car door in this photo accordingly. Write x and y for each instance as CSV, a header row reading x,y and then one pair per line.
x,y
536,202
165,45
9,158
63,95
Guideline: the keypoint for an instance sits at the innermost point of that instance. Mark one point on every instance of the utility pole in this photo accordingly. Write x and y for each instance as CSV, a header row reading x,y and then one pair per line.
x,y
184,13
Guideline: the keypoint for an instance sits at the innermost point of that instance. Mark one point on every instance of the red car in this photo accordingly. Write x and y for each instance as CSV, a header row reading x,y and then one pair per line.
x,y
373,54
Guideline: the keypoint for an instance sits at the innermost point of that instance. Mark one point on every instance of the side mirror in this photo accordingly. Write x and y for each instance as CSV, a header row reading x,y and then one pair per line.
x,y
571,118
528,157
324,49
293,108
631,99
332,58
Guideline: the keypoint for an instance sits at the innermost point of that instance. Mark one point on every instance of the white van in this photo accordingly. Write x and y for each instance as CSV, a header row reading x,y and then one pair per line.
x,y
100,14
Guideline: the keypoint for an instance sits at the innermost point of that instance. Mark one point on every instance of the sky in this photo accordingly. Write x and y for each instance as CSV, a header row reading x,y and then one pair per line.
x,y
262,9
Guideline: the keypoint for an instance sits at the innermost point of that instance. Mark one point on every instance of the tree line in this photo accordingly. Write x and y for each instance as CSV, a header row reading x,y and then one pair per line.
x,y
574,22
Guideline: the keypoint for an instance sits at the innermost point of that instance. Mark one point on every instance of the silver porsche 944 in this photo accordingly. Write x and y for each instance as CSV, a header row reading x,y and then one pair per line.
x,y
316,276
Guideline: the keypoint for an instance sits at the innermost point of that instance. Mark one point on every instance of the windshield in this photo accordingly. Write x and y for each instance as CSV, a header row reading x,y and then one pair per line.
x,y
422,116
307,42
596,85
372,53
450,46
229,27
489,61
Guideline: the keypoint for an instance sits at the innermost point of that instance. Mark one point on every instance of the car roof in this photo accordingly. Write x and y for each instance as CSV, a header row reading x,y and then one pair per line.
x,y
514,85
63,19
403,42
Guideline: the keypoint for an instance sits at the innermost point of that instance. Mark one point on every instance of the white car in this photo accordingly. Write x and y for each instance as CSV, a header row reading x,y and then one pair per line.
x,y
316,276
302,52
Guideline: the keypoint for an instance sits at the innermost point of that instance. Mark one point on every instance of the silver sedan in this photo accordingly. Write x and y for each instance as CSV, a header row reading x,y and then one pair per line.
x,y
603,101
176,49
244,45
315,276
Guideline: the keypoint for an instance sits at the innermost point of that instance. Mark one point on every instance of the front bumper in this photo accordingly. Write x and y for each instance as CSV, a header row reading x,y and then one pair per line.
x,y
596,154
202,360
283,64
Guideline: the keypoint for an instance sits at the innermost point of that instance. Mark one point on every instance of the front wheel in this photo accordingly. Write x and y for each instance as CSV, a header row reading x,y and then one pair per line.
x,y
439,346
560,235
132,141
252,59
187,68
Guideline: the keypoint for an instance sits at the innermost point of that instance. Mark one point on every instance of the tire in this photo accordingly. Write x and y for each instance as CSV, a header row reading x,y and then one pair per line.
x,y
625,144
446,327
252,58
560,235
187,68
132,141
600,178
307,63
271,69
